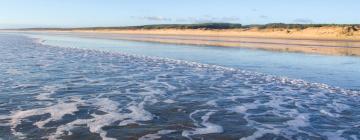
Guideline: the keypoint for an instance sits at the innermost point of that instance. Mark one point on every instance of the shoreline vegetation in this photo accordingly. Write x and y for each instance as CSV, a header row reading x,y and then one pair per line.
x,y
330,39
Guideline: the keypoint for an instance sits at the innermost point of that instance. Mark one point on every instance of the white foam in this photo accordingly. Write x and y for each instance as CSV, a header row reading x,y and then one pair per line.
x,y
239,109
156,135
169,101
207,128
57,112
301,120
259,133
157,81
211,103
95,124
339,107
243,108
106,105
327,113
138,113
47,92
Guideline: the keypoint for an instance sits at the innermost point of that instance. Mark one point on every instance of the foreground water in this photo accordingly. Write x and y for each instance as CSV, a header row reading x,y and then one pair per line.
x,y
341,71
67,93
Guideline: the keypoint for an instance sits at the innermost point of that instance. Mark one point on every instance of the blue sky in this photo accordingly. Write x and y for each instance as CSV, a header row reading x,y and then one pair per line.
x,y
84,13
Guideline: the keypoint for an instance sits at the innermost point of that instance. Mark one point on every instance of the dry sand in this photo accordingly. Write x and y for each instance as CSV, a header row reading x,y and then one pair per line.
x,y
318,33
322,40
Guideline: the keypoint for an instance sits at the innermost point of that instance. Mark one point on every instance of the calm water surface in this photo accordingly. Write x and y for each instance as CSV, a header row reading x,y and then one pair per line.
x,y
107,92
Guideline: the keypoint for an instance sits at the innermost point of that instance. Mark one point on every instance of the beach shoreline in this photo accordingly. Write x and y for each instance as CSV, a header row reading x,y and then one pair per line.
x,y
322,40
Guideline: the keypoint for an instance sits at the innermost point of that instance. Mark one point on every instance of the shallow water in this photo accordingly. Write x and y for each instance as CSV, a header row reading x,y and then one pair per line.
x,y
341,71
67,93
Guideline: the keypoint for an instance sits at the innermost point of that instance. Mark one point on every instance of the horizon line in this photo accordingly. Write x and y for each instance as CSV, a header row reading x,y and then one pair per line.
x,y
134,26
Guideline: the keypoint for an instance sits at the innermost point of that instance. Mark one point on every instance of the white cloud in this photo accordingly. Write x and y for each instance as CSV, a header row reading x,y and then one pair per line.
x,y
204,19
153,18
200,19
303,21
263,16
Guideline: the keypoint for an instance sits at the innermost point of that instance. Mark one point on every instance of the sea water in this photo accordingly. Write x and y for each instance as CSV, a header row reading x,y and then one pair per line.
x,y
66,92
341,71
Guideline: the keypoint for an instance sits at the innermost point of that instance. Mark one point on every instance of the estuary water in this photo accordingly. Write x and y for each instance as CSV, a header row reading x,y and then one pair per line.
x,y
75,88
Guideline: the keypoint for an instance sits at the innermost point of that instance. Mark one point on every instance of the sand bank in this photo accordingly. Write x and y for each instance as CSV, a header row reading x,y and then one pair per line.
x,y
321,40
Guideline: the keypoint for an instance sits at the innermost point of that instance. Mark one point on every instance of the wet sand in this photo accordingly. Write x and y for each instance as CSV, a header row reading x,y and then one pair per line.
x,y
349,46
328,47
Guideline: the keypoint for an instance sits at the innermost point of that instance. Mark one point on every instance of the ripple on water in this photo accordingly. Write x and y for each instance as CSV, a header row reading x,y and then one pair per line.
x,y
102,95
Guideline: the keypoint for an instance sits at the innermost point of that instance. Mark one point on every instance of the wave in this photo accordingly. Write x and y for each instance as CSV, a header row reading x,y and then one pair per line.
x,y
269,77
124,96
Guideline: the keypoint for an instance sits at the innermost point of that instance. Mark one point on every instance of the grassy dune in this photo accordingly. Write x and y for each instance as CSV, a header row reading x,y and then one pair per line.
x,y
310,38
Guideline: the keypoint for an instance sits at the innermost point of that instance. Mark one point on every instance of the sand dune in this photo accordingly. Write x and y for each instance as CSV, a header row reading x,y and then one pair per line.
x,y
330,40
319,33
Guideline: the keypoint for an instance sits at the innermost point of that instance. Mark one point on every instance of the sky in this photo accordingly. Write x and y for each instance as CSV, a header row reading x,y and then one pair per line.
x,y
90,13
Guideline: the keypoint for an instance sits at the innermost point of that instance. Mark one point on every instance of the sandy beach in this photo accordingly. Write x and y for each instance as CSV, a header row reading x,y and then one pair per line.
x,y
312,33
327,40
322,40
170,70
